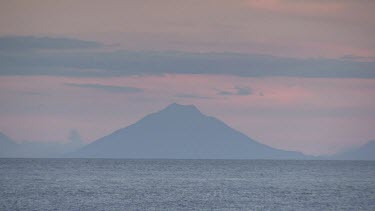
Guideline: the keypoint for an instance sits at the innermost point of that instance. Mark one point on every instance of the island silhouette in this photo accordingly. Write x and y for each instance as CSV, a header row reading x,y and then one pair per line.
x,y
181,132
175,132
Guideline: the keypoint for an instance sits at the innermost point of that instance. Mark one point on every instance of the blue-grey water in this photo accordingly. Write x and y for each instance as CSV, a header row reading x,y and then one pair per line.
x,y
105,184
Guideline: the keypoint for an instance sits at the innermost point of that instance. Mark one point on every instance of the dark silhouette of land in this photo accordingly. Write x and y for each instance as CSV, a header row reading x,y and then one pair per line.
x,y
182,132
177,132
7,146
364,152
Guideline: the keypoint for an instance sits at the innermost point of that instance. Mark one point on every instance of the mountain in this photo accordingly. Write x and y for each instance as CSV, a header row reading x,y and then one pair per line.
x,y
33,149
7,146
181,132
364,152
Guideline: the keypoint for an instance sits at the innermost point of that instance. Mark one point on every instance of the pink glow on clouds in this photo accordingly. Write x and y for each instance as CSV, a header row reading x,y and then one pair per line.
x,y
311,8
278,27
313,115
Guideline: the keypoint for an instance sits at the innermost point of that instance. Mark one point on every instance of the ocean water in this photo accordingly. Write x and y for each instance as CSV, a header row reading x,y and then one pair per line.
x,y
105,184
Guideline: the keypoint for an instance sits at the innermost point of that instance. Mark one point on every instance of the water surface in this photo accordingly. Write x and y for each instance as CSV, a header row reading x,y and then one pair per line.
x,y
105,184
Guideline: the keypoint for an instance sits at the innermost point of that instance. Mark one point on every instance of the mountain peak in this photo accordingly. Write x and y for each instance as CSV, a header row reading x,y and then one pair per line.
x,y
179,108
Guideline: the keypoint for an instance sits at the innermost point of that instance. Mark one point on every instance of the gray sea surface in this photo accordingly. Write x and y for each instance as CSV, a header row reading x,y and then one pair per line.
x,y
106,184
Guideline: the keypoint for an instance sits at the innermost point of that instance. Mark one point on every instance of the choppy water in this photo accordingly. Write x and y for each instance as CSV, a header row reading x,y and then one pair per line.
x,y
104,184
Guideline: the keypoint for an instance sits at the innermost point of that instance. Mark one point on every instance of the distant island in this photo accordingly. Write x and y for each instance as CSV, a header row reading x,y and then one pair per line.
x,y
183,132
364,152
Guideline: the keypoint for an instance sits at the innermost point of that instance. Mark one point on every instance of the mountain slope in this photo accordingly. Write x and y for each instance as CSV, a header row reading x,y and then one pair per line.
x,y
365,152
7,146
180,131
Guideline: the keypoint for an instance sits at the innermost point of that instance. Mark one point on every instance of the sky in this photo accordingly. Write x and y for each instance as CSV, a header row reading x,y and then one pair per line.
x,y
295,75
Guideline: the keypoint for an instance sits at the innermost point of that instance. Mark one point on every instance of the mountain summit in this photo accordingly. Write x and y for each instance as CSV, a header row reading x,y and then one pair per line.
x,y
181,132
174,107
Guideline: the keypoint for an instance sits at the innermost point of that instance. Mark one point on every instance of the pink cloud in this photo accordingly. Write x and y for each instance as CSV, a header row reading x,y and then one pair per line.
x,y
304,8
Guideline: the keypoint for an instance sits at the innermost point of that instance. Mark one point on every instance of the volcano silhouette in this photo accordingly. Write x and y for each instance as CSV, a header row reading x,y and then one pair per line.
x,y
181,132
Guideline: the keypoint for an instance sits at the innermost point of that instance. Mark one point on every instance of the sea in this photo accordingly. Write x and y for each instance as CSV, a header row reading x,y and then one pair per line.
x,y
123,184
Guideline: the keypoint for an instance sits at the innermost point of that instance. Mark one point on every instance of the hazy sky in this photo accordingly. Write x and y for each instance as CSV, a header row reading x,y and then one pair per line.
x,y
297,75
